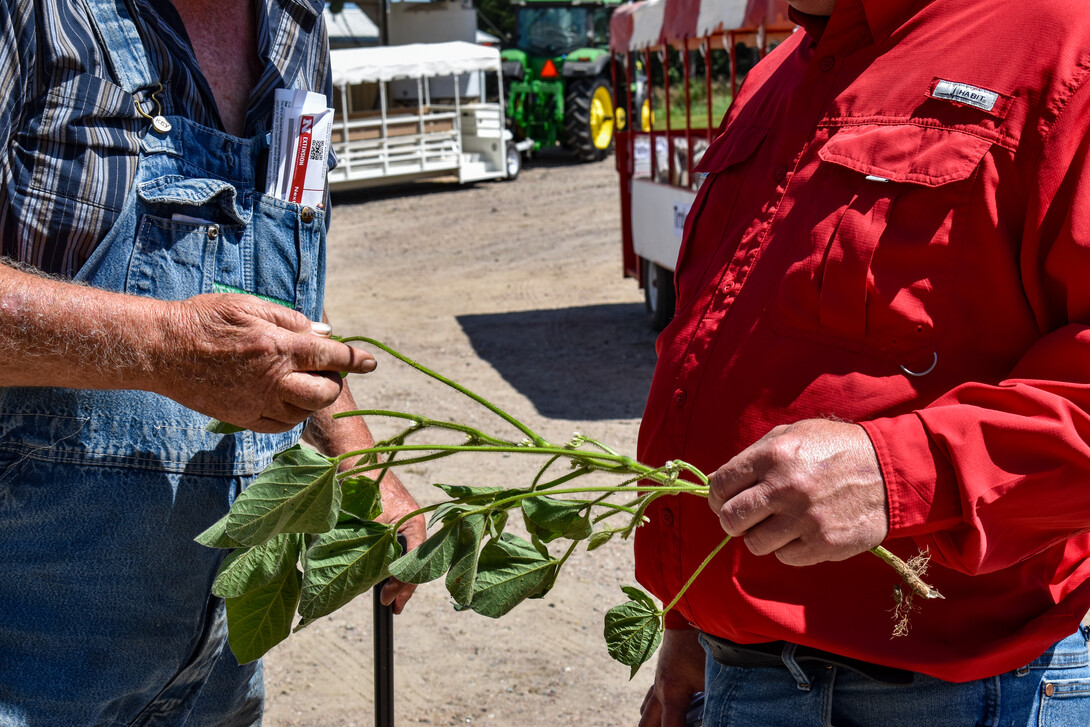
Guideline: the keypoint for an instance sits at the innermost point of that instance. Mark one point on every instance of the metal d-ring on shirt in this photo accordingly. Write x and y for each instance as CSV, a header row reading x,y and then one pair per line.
x,y
107,613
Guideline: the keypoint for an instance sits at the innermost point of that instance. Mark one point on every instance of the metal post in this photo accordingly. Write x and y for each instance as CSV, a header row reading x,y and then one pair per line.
x,y
384,662
688,115
384,656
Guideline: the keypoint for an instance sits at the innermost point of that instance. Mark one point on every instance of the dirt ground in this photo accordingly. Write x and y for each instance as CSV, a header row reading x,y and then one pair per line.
x,y
515,290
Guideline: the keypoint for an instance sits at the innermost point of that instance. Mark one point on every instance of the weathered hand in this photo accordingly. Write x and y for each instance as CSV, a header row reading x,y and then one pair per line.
x,y
809,492
396,503
678,676
250,363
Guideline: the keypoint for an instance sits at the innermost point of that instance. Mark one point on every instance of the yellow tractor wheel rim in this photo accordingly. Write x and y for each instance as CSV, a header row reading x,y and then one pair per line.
x,y
601,118
622,118
646,117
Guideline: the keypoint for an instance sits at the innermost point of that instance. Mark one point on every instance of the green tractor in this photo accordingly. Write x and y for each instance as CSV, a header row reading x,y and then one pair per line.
x,y
557,77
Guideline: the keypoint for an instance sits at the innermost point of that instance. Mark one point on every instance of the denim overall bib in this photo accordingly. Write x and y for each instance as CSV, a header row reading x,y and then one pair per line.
x,y
106,616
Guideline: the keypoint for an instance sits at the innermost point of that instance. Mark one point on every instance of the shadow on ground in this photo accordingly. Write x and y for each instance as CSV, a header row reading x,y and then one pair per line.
x,y
585,363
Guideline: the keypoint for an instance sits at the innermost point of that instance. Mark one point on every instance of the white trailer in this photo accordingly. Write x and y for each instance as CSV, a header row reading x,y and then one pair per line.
x,y
417,111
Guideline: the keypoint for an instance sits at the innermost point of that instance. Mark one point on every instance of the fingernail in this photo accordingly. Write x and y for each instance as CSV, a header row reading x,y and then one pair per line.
x,y
321,329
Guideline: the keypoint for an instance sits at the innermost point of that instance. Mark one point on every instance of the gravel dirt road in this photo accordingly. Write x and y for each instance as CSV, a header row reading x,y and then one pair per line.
x,y
515,290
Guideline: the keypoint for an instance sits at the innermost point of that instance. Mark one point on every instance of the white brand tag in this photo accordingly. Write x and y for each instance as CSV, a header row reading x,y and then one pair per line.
x,y
964,93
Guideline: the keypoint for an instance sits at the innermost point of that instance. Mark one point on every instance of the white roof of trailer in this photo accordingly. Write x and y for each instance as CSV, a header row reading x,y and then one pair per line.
x,y
647,24
416,60
721,15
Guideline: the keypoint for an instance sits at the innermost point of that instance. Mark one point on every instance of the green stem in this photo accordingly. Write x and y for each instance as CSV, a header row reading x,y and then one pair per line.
x,y
697,572
534,437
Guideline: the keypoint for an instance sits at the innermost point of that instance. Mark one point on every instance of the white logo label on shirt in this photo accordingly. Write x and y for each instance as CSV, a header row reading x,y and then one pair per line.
x,y
964,93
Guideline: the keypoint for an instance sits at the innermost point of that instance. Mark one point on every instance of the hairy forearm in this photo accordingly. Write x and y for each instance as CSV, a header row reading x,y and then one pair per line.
x,y
57,333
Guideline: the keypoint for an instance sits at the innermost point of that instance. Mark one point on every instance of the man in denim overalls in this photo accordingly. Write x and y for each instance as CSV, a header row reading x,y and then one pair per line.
x,y
106,470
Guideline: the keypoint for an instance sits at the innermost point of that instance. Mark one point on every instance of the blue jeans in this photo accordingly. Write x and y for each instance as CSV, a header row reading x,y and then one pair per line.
x,y
1052,691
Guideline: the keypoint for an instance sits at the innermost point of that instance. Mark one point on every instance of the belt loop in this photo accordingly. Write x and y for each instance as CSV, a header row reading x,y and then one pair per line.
x,y
788,657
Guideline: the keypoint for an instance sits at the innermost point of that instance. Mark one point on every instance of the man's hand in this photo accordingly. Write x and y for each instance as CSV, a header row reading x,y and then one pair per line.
x,y
396,503
678,676
808,492
250,363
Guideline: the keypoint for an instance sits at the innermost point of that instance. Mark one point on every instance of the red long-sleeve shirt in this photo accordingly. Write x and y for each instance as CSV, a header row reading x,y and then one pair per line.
x,y
904,186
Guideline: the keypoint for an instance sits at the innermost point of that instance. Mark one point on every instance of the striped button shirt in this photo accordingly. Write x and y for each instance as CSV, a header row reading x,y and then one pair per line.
x,y
72,134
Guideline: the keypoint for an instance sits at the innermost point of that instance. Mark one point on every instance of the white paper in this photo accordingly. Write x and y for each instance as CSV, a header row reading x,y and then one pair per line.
x,y
299,147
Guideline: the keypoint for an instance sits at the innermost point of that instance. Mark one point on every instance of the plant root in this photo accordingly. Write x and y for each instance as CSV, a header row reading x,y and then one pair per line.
x,y
912,573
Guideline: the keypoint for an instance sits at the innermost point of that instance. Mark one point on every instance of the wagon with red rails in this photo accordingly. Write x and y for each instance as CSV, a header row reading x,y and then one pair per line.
x,y
677,64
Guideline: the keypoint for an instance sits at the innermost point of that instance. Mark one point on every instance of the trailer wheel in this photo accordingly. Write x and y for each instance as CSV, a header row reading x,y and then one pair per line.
x,y
658,294
588,118
514,162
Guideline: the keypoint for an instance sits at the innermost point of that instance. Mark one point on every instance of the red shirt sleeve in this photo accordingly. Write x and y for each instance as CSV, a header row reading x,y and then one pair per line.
x,y
989,475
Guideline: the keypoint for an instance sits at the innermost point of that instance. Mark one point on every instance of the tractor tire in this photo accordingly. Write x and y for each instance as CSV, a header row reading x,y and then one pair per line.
x,y
588,118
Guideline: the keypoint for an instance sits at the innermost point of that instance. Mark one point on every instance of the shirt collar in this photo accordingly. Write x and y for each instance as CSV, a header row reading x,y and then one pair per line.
x,y
883,17
314,7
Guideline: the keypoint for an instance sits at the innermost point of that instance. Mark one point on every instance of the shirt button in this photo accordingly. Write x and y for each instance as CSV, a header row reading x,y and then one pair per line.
x,y
828,63
213,232
306,215
667,517
780,174
679,397
1050,689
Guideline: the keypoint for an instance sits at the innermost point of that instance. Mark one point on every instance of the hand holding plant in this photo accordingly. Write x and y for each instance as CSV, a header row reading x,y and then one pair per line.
x,y
304,512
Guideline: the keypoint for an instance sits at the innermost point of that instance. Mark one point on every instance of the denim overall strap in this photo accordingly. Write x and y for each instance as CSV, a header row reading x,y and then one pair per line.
x,y
107,613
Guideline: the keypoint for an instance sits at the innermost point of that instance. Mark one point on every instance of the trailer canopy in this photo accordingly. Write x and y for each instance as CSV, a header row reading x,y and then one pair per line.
x,y
653,23
416,60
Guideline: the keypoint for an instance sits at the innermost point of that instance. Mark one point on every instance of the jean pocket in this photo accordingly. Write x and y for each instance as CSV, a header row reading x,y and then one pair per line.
x,y
1064,702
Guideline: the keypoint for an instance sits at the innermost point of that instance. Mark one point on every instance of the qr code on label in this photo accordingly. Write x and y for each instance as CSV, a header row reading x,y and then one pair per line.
x,y
317,150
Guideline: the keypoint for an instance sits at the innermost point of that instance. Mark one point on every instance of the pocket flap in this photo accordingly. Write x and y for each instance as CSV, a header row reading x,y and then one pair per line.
x,y
733,146
906,153
193,192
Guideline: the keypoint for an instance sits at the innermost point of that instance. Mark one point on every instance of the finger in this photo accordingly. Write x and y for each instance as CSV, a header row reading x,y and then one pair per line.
x,y
772,534
742,471
746,509
673,715
278,315
396,593
314,353
309,392
651,711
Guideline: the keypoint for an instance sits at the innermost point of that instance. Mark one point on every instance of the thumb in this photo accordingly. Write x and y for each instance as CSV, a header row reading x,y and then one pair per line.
x,y
282,317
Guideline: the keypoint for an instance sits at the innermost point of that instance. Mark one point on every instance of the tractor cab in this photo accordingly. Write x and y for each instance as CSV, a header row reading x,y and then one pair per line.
x,y
557,30
557,76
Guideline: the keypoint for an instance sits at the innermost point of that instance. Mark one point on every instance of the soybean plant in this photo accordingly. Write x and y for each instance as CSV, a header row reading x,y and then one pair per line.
x,y
305,539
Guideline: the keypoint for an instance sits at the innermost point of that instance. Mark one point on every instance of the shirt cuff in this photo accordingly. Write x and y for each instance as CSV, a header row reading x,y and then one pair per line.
x,y
920,482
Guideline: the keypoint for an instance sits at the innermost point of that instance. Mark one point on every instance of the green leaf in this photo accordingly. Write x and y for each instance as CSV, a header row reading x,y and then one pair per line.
x,y
361,499
297,493
633,630
600,538
344,563
550,518
430,560
497,521
449,512
463,568
217,427
247,569
509,571
465,492
550,581
261,619
216,536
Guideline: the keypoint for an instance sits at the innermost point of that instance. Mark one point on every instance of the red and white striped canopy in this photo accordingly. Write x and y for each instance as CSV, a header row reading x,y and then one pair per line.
x,y
652,23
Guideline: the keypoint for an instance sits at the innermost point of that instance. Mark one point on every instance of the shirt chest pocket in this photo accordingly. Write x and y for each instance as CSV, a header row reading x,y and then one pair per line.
x,y
882,256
